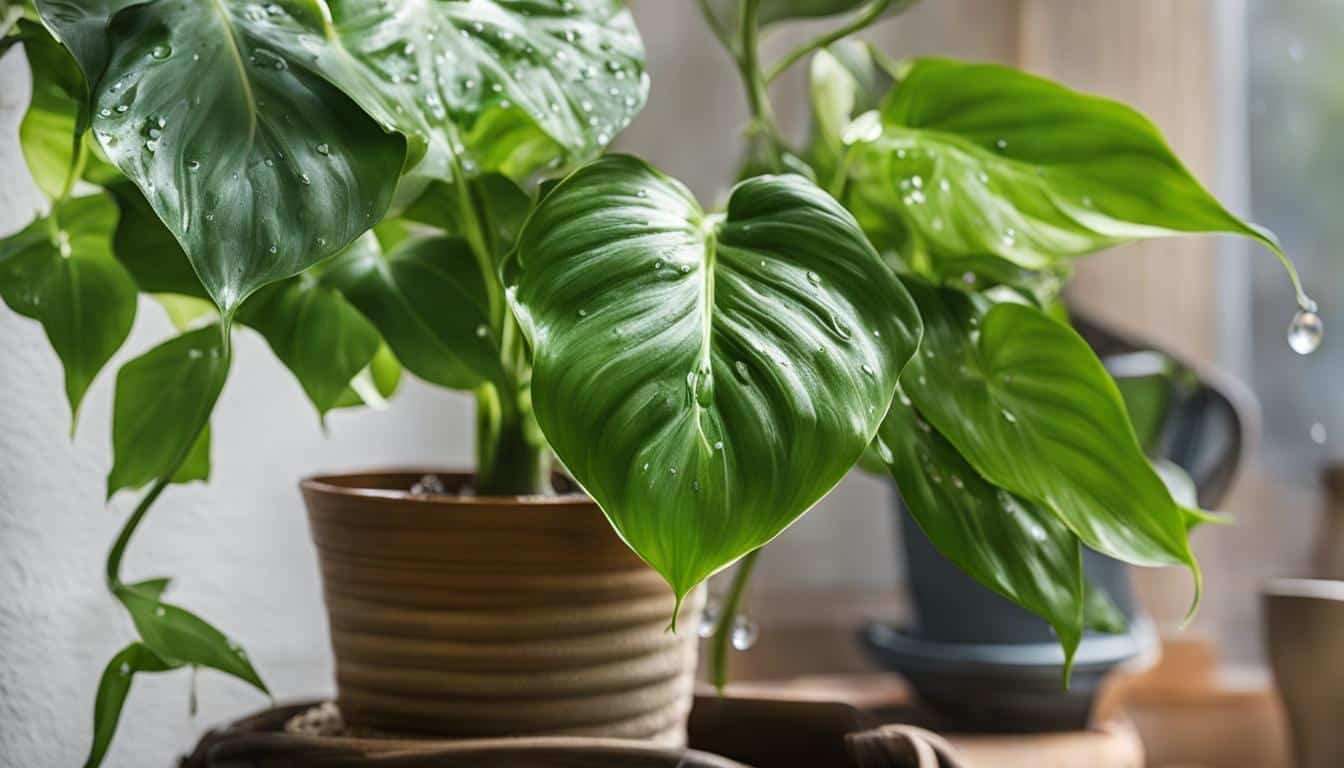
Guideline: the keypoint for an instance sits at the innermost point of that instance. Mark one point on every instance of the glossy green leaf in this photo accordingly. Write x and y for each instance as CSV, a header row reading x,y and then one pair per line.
x,y
845,80
179,636
197,464
148,249
315,332
428,299
1013,546
1024,399
163,399
1147,384
81,26
113,688
980,159
705,378
60,272
507,85
257,164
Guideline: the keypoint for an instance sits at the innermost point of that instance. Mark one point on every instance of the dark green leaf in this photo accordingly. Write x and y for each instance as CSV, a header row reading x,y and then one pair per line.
x,y
164,398
81,26
497,202
60,272
1017,548
112,691
509,85
980,159
705,378
179,636
1026,402
146,247
428,299
315,332
256,163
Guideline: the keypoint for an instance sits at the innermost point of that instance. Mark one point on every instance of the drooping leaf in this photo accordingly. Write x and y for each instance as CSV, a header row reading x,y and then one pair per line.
x,y
981,159
179,636
60,272
705,378
1024,399
315,332
112,691
1013,546
148,250
257,164
509,85
428,299
163,399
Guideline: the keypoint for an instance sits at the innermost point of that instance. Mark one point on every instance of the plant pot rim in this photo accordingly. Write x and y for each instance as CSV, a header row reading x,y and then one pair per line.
x,y
347,484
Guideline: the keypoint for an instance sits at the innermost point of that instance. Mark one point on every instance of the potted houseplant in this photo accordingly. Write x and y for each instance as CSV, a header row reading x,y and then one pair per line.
x,y
379,186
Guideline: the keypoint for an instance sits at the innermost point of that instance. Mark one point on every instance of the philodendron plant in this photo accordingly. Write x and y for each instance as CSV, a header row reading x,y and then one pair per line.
x,y
377,186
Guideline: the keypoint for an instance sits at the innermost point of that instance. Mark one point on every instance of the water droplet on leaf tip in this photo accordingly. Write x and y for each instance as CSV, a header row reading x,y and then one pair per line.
x,y
1306,332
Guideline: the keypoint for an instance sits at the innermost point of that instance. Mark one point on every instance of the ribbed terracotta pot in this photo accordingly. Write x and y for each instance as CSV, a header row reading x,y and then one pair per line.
x,y
468,617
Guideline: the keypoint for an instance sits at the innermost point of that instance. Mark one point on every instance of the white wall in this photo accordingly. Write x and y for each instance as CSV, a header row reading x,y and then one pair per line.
x,y
239,546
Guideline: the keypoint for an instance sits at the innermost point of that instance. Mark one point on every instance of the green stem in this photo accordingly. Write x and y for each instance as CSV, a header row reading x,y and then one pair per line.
x,y
724,36
511,457
81,158
723,631
114,557
748,59
862,21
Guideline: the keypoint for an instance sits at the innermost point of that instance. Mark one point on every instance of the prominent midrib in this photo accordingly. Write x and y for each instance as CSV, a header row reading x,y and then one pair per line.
x,y
236,54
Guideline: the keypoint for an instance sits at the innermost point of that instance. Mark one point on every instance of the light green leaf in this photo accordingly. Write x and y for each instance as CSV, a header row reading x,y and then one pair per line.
x,y
47,134
845,80
187,312
1013,546
315,332
428,299
509,85
705,378
60,272
1024,399
179,636
197,464
1101,613
164,398
980,159
256,163
112,692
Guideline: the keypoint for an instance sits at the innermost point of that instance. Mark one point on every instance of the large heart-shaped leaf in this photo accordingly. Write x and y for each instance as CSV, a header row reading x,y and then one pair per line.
x,y
705,378
60,272
162,406
507,85
979,159
1017,548
1024,399
428,299
258,165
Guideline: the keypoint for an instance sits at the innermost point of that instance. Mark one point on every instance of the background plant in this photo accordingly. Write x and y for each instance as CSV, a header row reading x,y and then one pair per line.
x,y
367,185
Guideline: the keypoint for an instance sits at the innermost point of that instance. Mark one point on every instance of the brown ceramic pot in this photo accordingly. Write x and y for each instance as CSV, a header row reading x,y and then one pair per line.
x,y
465,617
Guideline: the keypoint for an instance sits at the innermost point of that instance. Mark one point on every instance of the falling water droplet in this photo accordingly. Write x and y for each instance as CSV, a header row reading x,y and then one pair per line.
x,y
709,619
745,632
1318,435
1305,332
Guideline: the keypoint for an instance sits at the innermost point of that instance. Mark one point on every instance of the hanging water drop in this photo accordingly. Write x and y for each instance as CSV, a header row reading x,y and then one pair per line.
x,y
1305,332
709,619
745,632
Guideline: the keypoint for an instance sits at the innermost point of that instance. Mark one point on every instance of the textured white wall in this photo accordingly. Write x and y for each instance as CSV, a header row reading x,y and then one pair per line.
x,y
239,546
